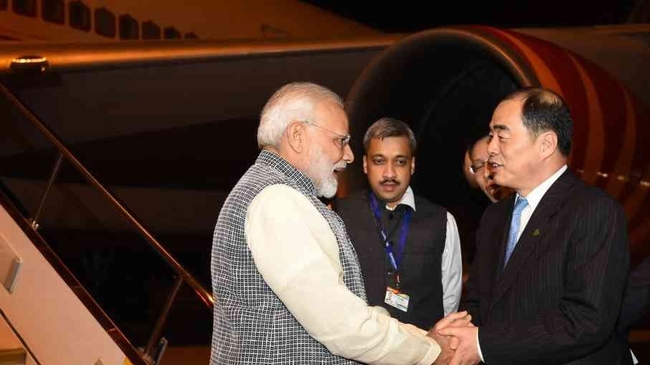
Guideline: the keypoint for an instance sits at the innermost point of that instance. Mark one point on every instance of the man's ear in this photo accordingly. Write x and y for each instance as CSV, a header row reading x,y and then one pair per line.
x,y
365,164
548,144
412,165
296,136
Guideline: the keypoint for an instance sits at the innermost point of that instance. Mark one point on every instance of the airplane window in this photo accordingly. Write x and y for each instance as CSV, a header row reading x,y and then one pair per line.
x,y
105,22
53,11
25,7
129,27
171,33
79,15
150,30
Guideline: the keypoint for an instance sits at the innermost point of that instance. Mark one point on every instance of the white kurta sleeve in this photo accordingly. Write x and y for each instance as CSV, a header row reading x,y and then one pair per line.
x,y
296,253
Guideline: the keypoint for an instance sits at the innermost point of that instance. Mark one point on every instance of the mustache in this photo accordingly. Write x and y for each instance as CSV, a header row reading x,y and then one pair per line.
x,y
392,181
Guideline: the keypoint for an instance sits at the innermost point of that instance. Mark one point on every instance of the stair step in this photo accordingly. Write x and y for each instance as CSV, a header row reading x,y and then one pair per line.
x,y
186,355
17,356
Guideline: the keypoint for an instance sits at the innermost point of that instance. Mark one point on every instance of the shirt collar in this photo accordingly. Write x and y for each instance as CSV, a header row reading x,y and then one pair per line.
x,y
277,162
408,199
537,194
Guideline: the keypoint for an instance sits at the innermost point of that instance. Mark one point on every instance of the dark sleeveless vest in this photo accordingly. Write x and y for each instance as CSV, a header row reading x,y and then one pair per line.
x,y
420,269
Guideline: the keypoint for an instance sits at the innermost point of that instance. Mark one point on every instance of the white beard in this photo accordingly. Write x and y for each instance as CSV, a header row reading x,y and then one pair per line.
x,y
321,172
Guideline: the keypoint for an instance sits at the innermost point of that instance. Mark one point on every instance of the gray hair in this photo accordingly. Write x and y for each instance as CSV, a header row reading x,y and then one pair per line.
x,y
292,102
389,127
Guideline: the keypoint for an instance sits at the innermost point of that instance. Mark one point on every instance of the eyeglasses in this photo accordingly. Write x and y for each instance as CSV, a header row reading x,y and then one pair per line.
x,y
342,140
476,168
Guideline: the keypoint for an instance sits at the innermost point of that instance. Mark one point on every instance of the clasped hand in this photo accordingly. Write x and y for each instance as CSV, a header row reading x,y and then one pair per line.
x,y
457,338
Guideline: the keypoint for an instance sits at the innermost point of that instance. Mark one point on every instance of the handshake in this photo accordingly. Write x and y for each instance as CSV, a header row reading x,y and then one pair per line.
x,y
458,340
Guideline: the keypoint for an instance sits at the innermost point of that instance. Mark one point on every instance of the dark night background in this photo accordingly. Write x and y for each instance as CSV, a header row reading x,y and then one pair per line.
x,y
410,16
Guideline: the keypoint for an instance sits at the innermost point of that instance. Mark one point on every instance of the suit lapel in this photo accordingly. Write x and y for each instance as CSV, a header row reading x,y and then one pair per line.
x,y
501,234
534,233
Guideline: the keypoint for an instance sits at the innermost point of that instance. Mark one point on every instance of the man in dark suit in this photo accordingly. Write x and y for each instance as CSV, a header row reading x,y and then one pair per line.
x,y
408,247
554,298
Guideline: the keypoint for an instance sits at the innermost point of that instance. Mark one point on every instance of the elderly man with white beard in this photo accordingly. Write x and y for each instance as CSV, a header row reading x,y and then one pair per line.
x,y
286,279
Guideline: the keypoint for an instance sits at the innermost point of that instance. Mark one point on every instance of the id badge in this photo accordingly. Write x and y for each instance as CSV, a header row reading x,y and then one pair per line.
x,y
396,299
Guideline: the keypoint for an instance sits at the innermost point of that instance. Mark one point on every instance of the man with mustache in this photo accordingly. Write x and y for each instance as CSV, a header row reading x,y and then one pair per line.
x,y
551,263
408,247
287,284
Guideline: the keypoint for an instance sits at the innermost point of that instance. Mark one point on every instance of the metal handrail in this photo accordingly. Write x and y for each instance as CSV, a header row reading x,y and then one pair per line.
x,y
183,274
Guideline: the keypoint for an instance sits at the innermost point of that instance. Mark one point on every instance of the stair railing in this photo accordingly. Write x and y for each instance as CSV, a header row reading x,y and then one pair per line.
x,y
64,153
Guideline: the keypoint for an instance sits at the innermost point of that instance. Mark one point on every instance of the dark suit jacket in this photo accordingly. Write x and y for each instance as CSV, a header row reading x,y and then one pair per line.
x,y
557,300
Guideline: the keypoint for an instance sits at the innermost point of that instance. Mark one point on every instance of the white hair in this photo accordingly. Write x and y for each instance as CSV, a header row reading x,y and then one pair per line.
x,y
292,102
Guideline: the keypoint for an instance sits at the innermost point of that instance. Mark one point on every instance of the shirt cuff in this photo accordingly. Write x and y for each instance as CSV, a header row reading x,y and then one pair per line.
x,y
478,348
433,353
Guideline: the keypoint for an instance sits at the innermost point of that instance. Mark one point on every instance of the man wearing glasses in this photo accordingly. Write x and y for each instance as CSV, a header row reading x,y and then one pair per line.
x,y
408,247
479,155
286,279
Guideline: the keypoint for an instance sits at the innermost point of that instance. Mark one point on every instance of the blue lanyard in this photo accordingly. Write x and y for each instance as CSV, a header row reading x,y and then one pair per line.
x,y
393,258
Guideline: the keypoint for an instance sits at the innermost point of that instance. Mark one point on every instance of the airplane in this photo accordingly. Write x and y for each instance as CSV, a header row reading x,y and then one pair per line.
x,y
116,156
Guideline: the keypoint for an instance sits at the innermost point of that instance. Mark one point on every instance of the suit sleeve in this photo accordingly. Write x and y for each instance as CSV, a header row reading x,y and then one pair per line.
x,y
594,267
636,301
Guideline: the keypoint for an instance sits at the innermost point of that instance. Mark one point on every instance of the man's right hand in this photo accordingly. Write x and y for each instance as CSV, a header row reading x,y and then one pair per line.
x,y
448,344
446,353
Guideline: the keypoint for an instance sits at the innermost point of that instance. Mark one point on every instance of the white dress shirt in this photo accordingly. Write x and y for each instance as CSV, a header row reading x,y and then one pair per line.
x,y
534,197
452,261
